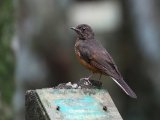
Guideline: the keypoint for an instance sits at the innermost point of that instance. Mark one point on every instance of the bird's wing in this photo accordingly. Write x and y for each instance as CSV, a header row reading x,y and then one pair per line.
x,y
102,60
99,58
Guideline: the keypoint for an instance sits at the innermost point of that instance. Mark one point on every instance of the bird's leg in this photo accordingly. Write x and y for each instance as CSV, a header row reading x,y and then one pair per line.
x,y
100,77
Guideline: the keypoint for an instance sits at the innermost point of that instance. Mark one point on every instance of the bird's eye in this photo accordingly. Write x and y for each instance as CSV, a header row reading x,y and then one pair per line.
x,y
83,29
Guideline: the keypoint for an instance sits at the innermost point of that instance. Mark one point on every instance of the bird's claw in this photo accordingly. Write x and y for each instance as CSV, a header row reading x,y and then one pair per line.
x,y
86,80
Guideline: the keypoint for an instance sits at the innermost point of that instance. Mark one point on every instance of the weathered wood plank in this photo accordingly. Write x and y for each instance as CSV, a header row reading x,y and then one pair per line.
x,y
34,108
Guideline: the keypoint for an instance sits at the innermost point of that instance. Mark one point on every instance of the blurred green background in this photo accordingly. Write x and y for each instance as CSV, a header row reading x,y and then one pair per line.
x,y
37,50
6,59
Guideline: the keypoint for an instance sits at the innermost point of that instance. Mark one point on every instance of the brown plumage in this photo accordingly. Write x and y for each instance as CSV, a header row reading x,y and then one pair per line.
x,y
94,56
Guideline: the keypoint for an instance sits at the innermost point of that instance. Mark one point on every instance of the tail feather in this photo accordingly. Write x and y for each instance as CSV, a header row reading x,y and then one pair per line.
x,y
125,87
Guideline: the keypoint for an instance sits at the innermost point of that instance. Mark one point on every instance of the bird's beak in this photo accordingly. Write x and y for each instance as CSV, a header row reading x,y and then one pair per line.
x,y
75,29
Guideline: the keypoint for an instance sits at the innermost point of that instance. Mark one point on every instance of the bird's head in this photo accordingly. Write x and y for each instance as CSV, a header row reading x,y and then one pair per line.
x,y
84,31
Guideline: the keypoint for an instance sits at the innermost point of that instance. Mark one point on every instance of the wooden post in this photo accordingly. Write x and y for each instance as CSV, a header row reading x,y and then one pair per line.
x,y
78,103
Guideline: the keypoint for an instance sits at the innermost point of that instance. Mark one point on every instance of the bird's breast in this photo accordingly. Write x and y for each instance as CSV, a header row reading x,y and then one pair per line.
x,y
84,63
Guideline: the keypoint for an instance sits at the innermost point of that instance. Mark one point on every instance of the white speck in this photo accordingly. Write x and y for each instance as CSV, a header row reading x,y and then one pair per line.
x,y
86,83
74,85
69,84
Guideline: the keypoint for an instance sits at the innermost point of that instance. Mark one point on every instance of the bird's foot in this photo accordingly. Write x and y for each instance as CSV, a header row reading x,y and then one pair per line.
x,y
87,81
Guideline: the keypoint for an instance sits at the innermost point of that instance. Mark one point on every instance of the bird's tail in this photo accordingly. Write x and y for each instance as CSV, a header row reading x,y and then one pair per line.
x,y
125,87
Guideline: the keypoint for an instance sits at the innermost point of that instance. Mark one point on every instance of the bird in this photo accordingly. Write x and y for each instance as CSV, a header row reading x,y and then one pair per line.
x,y
95,57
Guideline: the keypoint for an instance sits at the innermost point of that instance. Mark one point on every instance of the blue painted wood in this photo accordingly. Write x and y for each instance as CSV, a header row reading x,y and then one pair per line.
x,y
77,108
78,104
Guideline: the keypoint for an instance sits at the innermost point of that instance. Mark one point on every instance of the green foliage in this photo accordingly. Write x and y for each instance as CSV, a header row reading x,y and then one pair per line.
x,y
6,58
